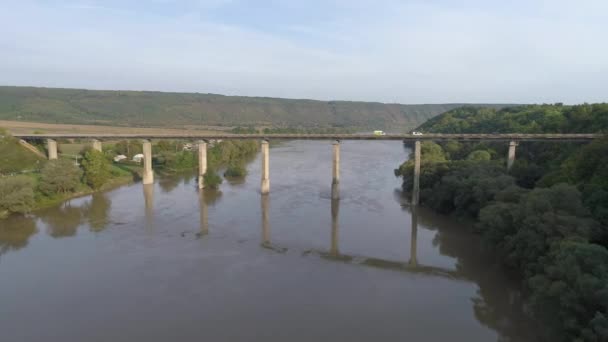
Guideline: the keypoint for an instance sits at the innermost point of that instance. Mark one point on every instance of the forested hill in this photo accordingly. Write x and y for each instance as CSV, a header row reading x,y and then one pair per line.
x,y
157,109
546,217
586,118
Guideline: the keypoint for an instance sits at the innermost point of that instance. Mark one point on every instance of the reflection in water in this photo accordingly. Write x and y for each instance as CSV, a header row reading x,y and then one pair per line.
x,y
149,203
335,208
265,224
97,211
414,236
266,243
168,184
15,232
204,221
62,221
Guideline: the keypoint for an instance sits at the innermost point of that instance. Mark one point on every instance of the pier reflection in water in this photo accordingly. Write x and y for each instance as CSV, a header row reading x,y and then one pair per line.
x,y
347,274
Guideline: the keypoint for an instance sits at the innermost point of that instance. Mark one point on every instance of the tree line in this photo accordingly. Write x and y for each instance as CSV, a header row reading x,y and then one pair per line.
x,y
546,218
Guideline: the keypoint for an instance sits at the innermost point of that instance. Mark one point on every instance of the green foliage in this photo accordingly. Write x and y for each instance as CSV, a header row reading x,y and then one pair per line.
x,y
231,151
16,158
182,160
479,156
211,179
584,118
16,195
96,169
571,292
530,226
128,148
59,176
235,170
156,109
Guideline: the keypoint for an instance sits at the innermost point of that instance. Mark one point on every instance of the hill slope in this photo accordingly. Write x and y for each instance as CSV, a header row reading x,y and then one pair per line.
x,y
15,157
585,118
157,109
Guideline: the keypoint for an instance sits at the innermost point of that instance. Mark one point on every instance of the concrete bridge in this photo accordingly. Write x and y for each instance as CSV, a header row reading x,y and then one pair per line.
x,y
148,174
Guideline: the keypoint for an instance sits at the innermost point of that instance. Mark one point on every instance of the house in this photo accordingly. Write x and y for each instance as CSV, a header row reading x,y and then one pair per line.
x,y
138,158
187,147
120,158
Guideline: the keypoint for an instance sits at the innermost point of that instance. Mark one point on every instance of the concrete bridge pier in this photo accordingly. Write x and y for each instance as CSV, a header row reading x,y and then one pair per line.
x,y
335,182
416,189
148,177
51,146
96,144
511,156
265,188
202,163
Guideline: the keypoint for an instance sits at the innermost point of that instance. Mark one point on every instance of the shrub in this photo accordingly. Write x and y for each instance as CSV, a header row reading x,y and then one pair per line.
x,y
235,170
96,169
16,195
59,176
211,179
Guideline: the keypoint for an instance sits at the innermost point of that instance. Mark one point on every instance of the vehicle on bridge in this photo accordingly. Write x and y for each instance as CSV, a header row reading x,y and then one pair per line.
x,y
416,133
379,133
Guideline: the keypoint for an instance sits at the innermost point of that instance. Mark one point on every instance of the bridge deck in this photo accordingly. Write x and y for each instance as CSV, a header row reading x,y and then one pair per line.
x,y
224,136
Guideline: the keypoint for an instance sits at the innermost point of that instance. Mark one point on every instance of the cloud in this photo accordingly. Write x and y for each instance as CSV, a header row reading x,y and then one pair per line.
x,y
392,51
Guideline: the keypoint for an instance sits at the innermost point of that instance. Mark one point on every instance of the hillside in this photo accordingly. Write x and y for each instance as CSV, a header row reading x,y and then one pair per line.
x,y
585,118
158,109
14,157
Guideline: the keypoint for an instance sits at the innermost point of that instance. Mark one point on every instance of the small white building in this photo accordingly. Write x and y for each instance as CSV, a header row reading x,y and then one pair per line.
x,y
120,158
138,158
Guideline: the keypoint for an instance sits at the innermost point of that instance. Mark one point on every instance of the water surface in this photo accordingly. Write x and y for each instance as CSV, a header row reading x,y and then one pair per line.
x,y
167,262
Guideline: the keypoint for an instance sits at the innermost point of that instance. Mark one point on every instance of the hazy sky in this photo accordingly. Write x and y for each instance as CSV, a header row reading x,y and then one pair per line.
x,y
390,51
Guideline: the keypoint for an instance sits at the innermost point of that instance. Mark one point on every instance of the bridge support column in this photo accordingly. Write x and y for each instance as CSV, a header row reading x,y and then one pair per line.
x,y
96,145
265,189
148,172
416,189
511,156
51,146
335,182
202,163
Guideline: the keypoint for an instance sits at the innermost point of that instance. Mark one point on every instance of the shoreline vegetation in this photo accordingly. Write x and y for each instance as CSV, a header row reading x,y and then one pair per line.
x,y
545,219
29,183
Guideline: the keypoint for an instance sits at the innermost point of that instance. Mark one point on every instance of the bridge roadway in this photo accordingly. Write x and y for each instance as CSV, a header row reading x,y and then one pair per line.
x,y
410,137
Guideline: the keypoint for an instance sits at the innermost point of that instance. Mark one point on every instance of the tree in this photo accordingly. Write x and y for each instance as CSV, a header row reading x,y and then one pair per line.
x,y
16,195
479,155
211,179
59,176
96,169
570,293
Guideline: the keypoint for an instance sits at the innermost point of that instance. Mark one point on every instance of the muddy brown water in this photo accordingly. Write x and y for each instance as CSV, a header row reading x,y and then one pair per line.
x,y
165,262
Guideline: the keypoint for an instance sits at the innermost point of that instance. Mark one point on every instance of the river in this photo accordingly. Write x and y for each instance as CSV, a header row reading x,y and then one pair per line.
x,y
165,262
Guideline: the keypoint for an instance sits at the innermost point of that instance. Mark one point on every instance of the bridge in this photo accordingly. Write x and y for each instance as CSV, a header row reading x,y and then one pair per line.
x,y
148,173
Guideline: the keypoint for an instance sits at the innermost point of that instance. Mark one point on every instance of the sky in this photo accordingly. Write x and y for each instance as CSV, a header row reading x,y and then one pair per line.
x,y
433,51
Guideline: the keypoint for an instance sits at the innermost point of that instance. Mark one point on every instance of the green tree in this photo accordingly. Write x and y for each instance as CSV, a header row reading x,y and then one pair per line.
x,y
479,155
570,292
59,176
211,179
16,195
96,169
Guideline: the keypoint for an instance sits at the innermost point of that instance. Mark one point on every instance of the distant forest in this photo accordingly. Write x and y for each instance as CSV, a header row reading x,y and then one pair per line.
x,y
158,109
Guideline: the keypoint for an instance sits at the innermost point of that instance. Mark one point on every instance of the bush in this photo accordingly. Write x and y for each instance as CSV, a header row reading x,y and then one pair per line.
x,y
16,195
211,179
96,169
59,176
235,171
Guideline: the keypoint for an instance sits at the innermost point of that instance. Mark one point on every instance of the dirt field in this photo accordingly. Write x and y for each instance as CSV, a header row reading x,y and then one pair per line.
x,y
21,127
